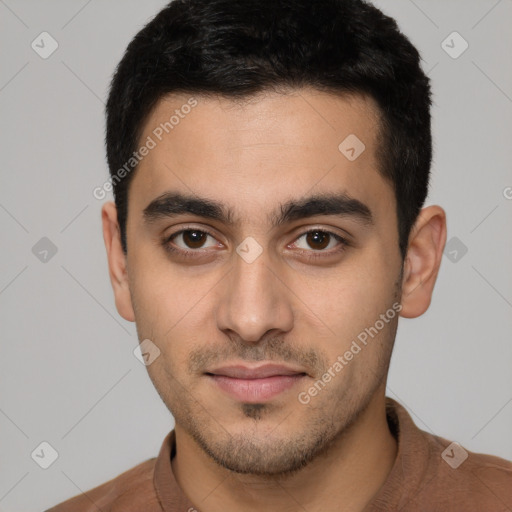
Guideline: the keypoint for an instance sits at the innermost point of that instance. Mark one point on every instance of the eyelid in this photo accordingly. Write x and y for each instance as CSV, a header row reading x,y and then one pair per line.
x,y
193,227
343,241
192,255
301,233
190,228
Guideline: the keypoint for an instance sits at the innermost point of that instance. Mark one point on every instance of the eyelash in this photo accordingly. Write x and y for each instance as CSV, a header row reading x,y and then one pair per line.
x,y
313,255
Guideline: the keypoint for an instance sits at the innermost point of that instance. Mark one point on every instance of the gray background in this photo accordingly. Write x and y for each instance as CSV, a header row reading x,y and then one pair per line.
x,y
67,370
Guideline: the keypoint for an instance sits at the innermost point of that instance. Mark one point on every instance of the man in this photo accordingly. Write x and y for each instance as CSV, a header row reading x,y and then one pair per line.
x,y
270,160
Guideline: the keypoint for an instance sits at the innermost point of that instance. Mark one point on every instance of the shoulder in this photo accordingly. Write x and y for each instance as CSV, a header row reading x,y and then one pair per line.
x,y
475,481
433,473
130,490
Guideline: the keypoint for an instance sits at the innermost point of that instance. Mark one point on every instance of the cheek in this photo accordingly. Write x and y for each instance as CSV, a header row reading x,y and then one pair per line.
x,y
346,297
172,311
161,295
340,306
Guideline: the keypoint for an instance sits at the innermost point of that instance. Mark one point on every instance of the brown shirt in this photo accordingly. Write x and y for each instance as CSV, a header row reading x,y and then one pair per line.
x,y
429,475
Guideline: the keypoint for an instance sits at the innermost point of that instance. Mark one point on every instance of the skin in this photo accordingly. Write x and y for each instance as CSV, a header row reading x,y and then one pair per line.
x,y
283,307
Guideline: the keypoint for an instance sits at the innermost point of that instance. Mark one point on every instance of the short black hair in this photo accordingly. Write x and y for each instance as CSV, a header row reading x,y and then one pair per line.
x,y
238,48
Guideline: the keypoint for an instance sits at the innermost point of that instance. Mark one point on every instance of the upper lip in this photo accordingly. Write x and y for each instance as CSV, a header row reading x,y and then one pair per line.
x,y
259,372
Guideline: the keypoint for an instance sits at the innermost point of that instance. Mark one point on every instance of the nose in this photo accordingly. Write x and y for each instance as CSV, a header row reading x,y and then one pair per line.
x,y
254,301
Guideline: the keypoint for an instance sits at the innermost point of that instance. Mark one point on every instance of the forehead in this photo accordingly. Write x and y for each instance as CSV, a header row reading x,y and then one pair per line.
x,y
264,150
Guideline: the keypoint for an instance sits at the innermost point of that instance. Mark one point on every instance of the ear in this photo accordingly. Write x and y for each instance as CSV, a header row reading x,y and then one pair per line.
x,y
116,261
422,261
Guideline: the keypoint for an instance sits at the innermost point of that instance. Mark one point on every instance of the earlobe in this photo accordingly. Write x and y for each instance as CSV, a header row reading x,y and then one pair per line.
x,y
116,261
422,262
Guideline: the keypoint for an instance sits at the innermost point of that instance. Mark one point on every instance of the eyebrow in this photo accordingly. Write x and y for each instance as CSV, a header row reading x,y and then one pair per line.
x,y
173,204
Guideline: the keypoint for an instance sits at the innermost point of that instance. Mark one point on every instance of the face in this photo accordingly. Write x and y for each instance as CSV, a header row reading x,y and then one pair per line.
x,y
263,262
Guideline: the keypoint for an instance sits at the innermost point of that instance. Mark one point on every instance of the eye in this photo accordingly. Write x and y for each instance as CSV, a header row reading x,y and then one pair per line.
x,y
192,242
318,240
191,239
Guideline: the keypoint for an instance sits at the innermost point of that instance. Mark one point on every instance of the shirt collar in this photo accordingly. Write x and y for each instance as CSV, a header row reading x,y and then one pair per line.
x,y
170,494
411,462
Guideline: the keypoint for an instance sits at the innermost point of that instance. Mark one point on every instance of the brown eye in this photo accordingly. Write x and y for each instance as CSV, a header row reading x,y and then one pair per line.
x,y
318,239
192,239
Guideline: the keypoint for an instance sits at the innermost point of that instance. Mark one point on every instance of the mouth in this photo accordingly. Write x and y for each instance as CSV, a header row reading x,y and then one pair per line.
x,y
255,384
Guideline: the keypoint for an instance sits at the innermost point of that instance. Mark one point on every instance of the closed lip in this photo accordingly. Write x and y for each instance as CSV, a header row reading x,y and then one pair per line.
x,y
239,371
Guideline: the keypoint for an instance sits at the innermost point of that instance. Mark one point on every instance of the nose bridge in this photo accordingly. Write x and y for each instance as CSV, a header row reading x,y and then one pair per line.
x,y
254,300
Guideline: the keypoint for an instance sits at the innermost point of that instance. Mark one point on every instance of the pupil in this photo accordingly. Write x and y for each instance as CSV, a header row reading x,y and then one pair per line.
x,y
318,238
194,239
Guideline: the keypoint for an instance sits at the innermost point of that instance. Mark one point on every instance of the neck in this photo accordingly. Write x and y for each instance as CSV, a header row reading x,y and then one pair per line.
x,y
350,472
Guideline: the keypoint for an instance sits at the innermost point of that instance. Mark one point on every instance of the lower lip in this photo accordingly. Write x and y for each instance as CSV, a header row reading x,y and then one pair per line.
x,y
256,390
